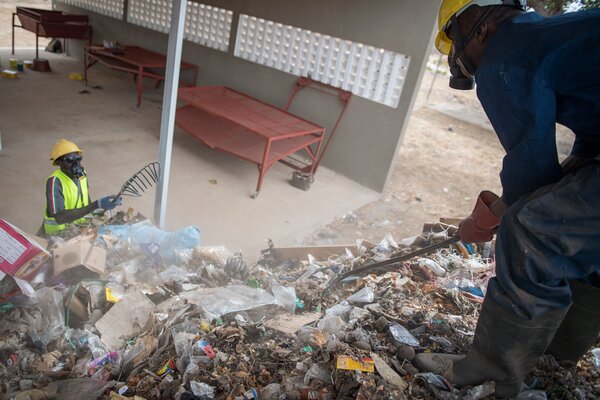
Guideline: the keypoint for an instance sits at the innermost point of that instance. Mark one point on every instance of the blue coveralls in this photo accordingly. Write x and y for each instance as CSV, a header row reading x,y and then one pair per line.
x,y
536,72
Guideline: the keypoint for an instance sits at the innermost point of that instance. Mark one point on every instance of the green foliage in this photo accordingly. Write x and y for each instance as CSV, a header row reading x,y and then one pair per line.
x,y
589,4
553,7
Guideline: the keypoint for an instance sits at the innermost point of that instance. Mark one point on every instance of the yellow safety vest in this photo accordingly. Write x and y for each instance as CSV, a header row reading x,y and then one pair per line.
x,y
74,197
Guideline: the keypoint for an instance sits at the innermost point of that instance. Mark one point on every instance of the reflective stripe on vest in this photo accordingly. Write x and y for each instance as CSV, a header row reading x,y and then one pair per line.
x,y
73,198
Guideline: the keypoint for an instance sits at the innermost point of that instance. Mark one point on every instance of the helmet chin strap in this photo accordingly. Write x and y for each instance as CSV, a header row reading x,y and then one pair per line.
x,y
461,70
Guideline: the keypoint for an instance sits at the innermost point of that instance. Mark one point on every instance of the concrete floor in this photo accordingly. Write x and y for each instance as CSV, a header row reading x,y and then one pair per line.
x,y
37,109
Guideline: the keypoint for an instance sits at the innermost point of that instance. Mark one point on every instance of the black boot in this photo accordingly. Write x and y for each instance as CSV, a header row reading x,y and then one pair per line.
x,y
505,348
580,327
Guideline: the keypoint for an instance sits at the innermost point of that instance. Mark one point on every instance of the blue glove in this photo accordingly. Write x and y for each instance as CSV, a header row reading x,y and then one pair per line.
x,y
109,202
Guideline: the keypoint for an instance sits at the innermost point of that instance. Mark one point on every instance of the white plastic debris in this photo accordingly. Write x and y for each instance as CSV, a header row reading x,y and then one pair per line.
x,y
402,336
596,353
432,265
364,295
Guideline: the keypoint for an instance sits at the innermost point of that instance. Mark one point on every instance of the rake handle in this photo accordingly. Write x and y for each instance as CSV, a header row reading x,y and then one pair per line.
x,y
388,264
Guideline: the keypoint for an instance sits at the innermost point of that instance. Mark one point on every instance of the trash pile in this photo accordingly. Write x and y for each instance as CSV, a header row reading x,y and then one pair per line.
x,y
125,310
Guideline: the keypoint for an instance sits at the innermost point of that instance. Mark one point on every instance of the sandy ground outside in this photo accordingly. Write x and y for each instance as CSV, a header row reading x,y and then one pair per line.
x,y
23,38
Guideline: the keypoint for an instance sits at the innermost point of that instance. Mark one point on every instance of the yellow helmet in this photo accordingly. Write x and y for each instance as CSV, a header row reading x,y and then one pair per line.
x,y
62,147
451,8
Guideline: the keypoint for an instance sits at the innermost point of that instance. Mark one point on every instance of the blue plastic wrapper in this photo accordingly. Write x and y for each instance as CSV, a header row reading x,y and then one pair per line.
x,y
146,235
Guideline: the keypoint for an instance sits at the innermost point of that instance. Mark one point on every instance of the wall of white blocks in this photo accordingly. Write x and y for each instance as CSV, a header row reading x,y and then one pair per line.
x,y
111,8
204,24
370,72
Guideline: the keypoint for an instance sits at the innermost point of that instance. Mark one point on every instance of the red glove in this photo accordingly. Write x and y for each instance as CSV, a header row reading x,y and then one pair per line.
x,y
481,224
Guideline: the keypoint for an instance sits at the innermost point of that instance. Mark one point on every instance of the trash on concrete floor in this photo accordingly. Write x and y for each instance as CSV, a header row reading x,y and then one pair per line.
x,y
124,310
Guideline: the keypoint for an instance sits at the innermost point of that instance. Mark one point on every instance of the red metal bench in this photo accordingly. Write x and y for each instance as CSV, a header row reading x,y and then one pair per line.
x,y
237,124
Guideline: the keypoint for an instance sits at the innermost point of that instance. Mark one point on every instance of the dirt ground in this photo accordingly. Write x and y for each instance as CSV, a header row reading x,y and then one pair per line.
x,y
442,164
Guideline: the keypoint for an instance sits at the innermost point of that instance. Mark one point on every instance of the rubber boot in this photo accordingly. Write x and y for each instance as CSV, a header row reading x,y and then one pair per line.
x,y
504,349
580,328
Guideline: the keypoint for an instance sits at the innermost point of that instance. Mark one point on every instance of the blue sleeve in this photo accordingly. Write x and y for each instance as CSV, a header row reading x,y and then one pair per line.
x,y
522,109
55,200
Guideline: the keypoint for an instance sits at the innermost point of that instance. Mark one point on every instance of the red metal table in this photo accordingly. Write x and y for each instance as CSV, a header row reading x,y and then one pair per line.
x,y
49,23
235,123
140,62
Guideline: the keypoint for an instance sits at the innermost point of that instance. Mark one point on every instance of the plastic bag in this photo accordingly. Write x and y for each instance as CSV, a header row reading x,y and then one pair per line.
x,y
285,296
82,338
174,242
173,273
272,392
596,360
432,265
342,309
183,336
202,389
387,244
532,395
365,295
357,313
320,372
332,324
145,234
50,322
402,336
223,300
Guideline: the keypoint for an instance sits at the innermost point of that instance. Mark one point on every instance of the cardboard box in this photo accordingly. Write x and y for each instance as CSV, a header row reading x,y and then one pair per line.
x,y
20,255
79,251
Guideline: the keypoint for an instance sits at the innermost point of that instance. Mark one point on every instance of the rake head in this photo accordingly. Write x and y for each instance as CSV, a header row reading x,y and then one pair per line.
x,y
141,181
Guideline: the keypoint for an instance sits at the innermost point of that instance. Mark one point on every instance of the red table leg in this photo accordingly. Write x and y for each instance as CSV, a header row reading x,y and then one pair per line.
x,y
140,79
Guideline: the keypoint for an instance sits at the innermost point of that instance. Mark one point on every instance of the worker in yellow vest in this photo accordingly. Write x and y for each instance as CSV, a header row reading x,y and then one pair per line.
x,y
67,195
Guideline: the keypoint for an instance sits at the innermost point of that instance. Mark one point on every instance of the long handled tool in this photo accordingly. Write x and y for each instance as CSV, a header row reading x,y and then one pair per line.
x,y
390,263
141,181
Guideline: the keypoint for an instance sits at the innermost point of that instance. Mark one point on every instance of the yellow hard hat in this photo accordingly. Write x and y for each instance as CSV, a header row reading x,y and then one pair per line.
x,y
62,147
451,8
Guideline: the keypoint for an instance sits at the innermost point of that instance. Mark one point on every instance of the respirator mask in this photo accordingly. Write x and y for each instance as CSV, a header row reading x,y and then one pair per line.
x,y
75,168
461,70
458,79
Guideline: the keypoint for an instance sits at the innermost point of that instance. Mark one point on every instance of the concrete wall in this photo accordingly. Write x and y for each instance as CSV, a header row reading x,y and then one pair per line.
x,y
370,134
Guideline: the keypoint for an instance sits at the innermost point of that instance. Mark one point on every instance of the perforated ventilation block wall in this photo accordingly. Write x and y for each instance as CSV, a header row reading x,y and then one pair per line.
x,y
111,8
373,73
205,25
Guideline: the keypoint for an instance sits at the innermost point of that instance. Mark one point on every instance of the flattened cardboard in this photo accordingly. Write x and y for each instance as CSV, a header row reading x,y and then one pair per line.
x,y
125,319
79,251
289,323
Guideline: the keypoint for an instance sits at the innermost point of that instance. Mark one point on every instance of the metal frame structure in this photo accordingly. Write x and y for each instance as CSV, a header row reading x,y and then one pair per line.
x,y
138,61
167,121
343,95
51,24
240,125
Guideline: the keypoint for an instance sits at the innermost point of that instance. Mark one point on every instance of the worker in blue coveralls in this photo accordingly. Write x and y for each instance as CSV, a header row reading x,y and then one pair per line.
x,y
531,73
67,195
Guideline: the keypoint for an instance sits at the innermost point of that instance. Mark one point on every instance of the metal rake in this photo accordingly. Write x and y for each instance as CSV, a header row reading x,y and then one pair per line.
x,y
141,181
